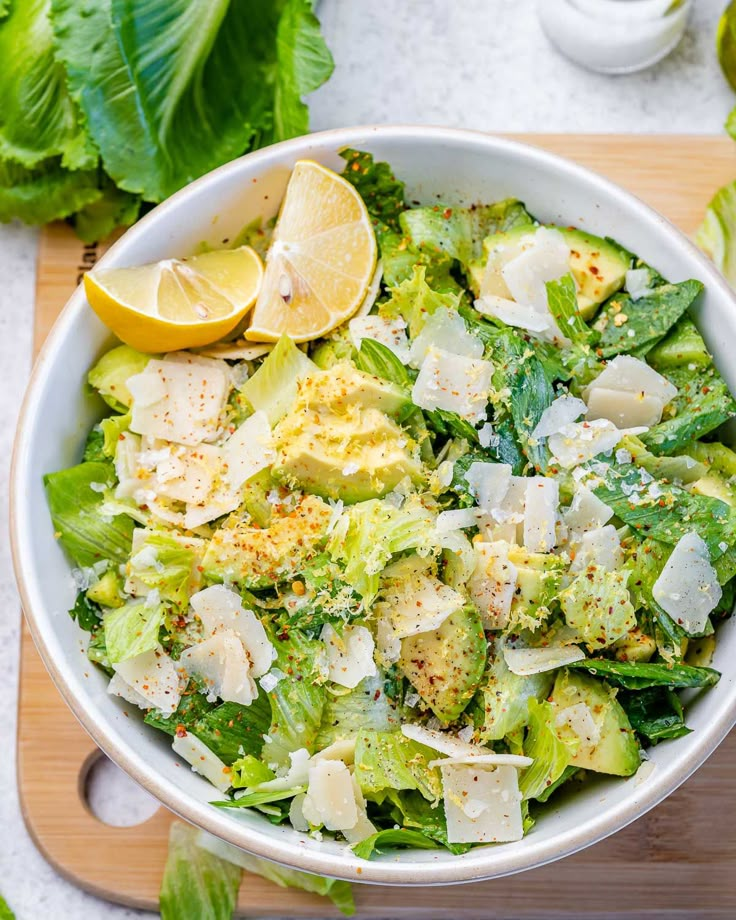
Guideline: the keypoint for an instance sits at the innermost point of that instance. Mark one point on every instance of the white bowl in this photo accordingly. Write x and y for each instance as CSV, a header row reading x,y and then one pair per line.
x,y
438,164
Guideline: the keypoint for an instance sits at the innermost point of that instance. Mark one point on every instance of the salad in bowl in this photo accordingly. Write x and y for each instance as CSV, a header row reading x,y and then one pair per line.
x,y
402,519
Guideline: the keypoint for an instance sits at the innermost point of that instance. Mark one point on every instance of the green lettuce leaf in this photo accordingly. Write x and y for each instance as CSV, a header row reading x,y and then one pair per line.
x,y
161,562
171,89
375,358
655,713
366,707
303,64
668,516
86,612
46,192
393,838
413,811
249,771
550,751
114,208
598,607
563,305
272,388
459,232
369,533
390,760
381,191
715,236
296,702
75,498
197,884
648,319
231,730
111,429
132,629
339,892
39,119
5,912
702,404
414,300
636,675
502,704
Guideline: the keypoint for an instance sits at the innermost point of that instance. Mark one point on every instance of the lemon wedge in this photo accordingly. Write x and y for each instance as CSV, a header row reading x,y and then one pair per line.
x,y
321,259
177,303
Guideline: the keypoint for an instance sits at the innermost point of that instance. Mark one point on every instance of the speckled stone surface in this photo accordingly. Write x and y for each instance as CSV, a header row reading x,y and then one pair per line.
x,y
479,64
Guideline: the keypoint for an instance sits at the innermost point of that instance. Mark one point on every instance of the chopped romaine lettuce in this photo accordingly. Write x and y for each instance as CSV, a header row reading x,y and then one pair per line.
x,y
76,497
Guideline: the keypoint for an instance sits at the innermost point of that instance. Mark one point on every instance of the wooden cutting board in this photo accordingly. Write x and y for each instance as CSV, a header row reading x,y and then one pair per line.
x,y
679,861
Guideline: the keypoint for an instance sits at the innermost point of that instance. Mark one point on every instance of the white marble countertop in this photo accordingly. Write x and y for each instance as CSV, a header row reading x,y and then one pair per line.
x,y
479,64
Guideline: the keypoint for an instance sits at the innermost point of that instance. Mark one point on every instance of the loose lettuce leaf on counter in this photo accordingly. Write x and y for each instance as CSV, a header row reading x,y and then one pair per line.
x,y
44,193
716,236
170,89
197,883
339,892
75,499
39,119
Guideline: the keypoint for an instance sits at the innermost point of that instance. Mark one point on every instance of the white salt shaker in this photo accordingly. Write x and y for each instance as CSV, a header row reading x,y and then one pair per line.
x,y
614,36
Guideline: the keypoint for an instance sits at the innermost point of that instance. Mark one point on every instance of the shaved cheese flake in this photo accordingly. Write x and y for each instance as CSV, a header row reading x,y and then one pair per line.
x,y
492,759
296,813
389,332
547,260
482,804
220,608
343,750
581,720
518,315
187,474
202,760
296,775
526,661
624,408
489,483
629,392
414,599
601,546
688,589
540,514
442,741
221,663
179,398
457,519
561,411
637,282
249,450
493,583
586,511
579,442
445,329
350,655
632,375
453,383
330,798
153,676
388,644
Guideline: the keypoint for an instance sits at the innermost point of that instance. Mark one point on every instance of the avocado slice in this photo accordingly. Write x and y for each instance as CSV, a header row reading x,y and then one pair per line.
x,y
343,387
599,266
351,458
616,750
715,486
255,557
107,592
446,666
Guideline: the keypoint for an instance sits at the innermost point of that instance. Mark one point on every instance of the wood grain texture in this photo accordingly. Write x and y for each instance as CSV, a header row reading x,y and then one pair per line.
x,y
676,862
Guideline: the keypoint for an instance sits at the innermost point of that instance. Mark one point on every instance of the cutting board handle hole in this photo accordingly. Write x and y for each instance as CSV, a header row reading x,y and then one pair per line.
x,y
112,796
